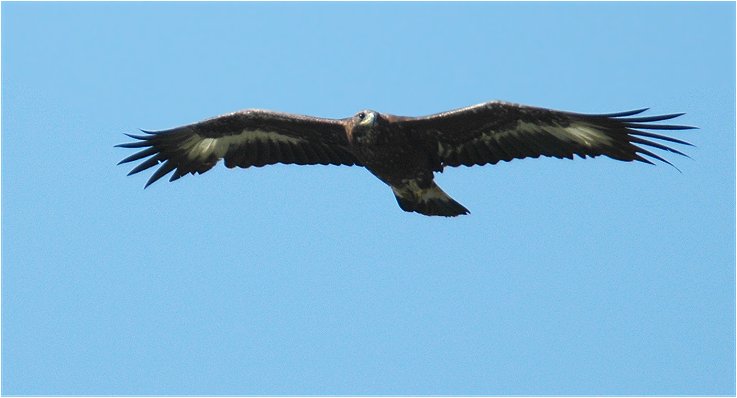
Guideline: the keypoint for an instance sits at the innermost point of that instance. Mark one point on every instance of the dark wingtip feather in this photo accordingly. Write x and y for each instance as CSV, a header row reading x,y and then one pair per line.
x,y
643,160
139,144
658,126
655,118
622,114
143,141
660,137
148,163
658,157
165,168
139,155
138,137
654,144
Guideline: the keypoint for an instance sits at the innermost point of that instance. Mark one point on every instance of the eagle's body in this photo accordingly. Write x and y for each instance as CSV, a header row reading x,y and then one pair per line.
x,y
403,152
391,154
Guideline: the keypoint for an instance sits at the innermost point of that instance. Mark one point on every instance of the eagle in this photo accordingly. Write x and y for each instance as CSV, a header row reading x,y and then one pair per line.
x,y
404,152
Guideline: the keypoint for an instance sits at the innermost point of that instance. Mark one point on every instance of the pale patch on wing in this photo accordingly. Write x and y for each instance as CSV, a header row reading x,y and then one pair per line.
x,y
205,146
580,133
201,148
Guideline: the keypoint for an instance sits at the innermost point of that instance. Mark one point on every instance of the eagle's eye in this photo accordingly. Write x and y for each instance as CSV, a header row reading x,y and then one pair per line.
x,y
362,115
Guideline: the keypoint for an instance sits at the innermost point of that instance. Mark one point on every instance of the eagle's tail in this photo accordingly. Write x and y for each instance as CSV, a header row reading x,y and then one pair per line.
x,y
430,201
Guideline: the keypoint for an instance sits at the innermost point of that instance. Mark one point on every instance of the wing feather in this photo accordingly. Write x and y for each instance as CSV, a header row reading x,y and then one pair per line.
x,y
499,131
300,154
286,152
243,139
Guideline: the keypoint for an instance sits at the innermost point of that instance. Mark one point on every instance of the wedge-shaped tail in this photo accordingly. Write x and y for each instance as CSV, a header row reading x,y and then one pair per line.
x,y
430,201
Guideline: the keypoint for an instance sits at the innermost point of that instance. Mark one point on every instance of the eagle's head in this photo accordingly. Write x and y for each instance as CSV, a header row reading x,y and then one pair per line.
x,y
366,118
365,128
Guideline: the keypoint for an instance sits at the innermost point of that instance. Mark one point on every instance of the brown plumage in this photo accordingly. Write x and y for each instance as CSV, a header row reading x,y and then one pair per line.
x,y
403,152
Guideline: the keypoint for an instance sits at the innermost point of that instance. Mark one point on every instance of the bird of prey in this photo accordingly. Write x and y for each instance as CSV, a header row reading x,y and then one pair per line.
x,y
402,151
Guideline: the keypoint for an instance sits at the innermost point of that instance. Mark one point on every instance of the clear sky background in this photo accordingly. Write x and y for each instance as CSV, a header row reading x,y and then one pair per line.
x,y
568,277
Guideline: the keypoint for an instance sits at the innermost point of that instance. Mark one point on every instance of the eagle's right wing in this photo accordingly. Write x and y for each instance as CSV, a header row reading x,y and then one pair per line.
x,y
246,138
496,131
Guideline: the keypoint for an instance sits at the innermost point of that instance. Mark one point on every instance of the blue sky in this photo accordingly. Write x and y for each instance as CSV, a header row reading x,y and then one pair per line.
x,y
568,277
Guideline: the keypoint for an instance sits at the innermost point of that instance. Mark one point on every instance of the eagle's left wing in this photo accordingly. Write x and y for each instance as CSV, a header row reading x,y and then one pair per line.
x,y
494,131
243,139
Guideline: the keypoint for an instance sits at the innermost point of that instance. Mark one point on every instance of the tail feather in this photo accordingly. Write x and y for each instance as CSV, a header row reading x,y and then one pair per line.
x,y
430,201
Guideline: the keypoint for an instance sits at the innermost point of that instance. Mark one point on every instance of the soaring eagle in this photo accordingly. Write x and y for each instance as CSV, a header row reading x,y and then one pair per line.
x,y
402,151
